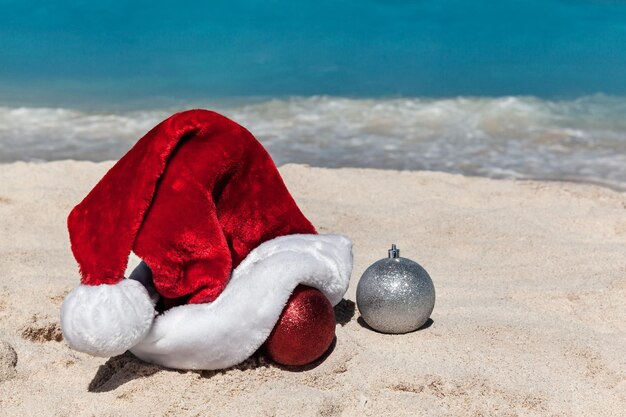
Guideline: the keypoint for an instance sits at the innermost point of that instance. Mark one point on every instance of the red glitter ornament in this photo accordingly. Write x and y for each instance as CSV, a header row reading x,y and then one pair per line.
x,y
305,329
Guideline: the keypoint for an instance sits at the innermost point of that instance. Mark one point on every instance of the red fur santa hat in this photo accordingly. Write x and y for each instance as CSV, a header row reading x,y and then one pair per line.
x,y
202,203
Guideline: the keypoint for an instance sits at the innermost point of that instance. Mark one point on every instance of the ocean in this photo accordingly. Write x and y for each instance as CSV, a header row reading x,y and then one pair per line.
x,y
530,89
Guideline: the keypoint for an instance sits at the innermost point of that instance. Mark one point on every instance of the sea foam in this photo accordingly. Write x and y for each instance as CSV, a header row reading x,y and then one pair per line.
x,y
507,137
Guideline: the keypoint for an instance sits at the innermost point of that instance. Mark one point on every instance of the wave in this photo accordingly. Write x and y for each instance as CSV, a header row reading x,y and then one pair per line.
x,y
507,137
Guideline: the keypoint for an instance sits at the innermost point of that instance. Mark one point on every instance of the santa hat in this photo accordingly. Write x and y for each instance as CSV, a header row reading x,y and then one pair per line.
x,y
202,203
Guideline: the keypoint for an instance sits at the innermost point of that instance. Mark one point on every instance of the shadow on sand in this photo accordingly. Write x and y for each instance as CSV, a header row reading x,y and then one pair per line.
x,y
119,370
363,324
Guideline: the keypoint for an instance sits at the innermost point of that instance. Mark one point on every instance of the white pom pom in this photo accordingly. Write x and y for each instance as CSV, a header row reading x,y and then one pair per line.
x,y
106,320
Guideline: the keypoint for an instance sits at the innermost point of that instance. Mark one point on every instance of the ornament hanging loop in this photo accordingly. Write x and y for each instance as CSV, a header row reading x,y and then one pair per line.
x,y
394,252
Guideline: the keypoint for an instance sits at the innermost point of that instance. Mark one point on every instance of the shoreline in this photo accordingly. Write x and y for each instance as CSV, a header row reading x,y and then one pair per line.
x,y
618,188
531,295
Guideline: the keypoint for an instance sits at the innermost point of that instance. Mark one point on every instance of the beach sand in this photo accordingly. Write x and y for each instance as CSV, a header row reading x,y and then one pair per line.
x,y
530,317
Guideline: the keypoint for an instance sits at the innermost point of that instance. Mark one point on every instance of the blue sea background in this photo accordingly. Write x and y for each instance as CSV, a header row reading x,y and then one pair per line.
x,y
515,89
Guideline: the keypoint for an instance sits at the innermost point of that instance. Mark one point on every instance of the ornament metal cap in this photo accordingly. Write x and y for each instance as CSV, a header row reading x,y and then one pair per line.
x,y
394,252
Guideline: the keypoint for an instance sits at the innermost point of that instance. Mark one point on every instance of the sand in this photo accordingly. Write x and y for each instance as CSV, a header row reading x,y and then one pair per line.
x,y
530,316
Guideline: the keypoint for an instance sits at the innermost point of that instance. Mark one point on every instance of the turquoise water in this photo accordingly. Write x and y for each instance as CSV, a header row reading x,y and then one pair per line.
x,y
122,52
506,89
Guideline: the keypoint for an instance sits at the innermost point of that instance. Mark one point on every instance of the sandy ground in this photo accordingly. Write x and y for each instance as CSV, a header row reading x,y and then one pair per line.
x,y
530,316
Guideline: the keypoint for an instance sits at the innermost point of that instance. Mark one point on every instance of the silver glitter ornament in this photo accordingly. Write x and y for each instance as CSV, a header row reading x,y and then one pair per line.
x,y
395,295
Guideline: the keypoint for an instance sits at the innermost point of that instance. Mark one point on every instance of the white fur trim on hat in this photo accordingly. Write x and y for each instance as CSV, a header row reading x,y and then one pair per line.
x,y
227,331
106,320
